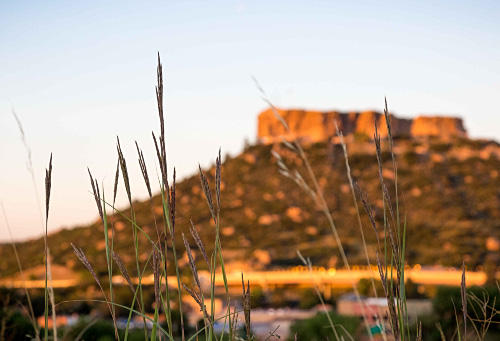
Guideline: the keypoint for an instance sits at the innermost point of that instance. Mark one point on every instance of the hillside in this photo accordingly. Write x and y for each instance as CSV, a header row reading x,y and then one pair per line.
x,y
451,191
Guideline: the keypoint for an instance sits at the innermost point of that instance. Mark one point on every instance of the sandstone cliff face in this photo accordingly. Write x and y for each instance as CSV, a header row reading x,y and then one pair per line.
x,y
314,126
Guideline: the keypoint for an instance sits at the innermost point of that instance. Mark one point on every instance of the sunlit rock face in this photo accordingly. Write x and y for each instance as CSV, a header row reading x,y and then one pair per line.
x,y
438,126
315,126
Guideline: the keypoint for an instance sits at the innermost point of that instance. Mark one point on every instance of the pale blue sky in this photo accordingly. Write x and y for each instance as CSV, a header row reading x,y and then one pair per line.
x,y
78,74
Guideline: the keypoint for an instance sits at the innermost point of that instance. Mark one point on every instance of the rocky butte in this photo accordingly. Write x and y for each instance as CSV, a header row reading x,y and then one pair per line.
x,y
315,126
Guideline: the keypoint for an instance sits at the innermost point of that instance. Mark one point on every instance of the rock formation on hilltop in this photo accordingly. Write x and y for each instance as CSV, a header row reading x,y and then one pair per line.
x,y
315,126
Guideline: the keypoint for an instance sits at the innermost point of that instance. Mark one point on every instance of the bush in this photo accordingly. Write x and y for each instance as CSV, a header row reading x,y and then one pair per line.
x,y
318,328
17,326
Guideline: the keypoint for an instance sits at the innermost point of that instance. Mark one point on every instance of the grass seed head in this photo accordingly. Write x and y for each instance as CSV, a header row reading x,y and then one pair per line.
x,y
162,155
366,204
117,176
123,165
81,256
245,300
123,270
97,195
48,186
192,265
208,194
144,170
198,241
197,299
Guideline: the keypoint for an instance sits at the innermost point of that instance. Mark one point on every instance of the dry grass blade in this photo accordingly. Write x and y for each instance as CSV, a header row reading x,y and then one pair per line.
x,y
275,111
23,139
208,194
245,300
201,247
288,144
441,333
97,195
29,164
419,331
192,265
463,292
123,166
123,270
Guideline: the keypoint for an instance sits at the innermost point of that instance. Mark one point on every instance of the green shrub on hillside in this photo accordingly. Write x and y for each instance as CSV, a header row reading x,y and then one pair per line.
x,y
318,327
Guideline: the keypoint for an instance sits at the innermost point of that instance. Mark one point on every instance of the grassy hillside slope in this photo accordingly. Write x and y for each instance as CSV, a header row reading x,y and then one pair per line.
x,y
451,190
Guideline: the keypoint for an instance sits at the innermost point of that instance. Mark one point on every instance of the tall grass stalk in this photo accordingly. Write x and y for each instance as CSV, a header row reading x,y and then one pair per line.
x,y
159,257
51,296
308,264
365,248
317,194
393,275
48,185
126,182
29,164
166,192
216,218
109,251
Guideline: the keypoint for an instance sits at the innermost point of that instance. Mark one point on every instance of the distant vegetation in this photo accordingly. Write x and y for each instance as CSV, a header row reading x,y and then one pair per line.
x,y
451,196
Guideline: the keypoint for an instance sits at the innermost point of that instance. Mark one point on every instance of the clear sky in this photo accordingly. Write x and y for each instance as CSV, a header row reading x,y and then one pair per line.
x,y
80,73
